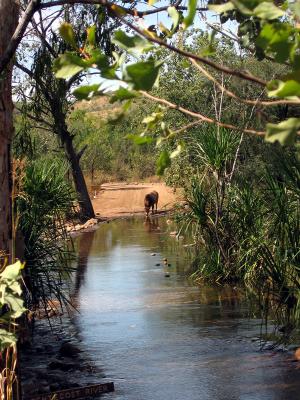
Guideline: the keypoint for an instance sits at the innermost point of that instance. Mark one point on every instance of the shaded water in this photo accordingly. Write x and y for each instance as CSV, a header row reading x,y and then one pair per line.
x,y
160,337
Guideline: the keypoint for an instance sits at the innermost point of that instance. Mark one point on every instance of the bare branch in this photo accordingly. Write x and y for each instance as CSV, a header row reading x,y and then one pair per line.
x,y
42,36
80,153
19,32
109,5
239,99
188,126
199,116
36,119
40,82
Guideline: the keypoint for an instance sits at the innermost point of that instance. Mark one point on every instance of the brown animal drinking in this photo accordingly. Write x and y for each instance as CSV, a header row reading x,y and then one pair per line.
x,y
151,200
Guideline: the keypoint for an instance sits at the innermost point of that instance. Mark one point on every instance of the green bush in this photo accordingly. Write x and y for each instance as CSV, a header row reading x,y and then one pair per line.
x,y
42,208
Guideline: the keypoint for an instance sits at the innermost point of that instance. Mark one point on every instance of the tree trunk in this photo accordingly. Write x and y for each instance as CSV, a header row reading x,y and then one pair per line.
x,y
93,173
85,203
9,12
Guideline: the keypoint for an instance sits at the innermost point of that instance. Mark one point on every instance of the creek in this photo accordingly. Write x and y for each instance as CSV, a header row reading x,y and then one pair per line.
x,y
157,335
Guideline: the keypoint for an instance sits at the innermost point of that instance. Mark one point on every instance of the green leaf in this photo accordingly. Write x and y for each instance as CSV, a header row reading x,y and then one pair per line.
x,y
268,11
97,59
119,58
163,162
155,117
67,33
174,14
189,19
274,38
164,30
222,8
126,106
12,272
86,92
15,304
285,132
15,287
123,94
245,6
176,152
68,65
289,88
91,35
296,8
142,75
135,45
139,140
7,339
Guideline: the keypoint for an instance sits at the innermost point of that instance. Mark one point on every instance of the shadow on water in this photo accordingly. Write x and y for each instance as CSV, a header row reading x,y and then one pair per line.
x,y
159,337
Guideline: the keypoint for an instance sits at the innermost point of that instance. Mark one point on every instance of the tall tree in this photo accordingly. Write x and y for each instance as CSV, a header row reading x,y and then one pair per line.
x,y
50,101
9,11
51,98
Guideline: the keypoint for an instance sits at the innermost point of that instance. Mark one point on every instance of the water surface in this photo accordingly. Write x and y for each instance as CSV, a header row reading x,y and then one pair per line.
x,y
162,338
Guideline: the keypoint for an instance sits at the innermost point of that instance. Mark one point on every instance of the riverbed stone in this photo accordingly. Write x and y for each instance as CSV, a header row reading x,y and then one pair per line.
x,y
90,222
297,354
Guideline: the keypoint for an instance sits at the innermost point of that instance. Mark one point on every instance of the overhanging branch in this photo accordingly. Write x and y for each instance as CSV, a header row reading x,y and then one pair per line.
x,y
129,11
200,117
229,93
221,68
80,153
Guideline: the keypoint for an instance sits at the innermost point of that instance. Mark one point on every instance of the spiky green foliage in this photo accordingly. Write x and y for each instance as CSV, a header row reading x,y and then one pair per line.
x,y
43,205
248,231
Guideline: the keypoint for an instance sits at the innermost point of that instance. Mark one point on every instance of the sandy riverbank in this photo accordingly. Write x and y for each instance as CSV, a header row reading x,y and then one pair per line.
x,y
121,199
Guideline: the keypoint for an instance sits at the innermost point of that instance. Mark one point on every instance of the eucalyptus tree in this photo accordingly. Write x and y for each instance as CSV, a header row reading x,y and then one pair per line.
x,y
50,99
8,23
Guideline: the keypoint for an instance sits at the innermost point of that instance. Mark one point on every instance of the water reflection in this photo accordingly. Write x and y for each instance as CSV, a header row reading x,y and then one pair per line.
x,y
151,224
162,338
85,243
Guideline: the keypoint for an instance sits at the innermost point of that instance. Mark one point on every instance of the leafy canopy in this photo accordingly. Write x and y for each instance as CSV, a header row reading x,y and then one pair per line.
x,y
269,29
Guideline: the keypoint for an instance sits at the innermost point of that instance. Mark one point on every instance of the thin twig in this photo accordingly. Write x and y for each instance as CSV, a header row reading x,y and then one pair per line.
x,y
128,11
188,126
229,93
199,116
240,143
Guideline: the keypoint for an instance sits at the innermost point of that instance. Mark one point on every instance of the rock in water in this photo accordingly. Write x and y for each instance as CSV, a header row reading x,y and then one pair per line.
x,y
297,354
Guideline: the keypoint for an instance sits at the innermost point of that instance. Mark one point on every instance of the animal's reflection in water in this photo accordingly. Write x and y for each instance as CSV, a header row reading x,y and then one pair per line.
x,y
151,224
